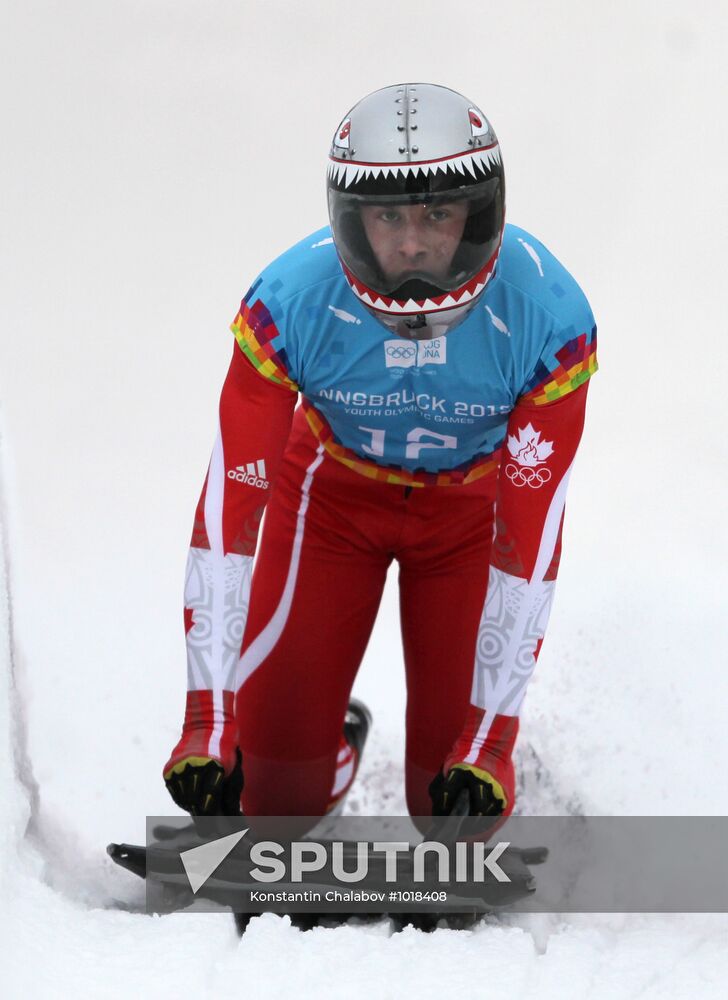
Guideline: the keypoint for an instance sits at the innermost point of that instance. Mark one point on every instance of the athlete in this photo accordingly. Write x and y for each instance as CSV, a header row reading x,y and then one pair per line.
x,y
441,359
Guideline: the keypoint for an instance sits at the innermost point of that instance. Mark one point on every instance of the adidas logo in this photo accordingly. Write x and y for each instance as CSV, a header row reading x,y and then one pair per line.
x,y
252,474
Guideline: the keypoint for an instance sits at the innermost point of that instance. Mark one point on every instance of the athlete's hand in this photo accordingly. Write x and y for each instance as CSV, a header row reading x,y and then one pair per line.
x,y
487,797
200,786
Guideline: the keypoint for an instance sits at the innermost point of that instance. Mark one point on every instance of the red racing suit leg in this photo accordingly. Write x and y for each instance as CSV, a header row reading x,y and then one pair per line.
x,y
327,541
444,555
316,589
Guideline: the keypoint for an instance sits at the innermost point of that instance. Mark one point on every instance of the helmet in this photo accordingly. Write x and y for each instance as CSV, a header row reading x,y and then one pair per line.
x,y
417,205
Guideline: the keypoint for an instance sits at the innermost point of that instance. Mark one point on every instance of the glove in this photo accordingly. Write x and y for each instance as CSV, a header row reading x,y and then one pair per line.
x,y
487,797
200,787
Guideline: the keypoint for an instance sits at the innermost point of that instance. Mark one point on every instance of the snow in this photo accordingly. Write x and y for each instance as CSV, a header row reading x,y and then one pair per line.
x,y
157,154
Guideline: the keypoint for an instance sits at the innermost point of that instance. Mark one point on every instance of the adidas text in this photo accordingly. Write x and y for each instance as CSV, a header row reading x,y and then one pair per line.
x,y
252,474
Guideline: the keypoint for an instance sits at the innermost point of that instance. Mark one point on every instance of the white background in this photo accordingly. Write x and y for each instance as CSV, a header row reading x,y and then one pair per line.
x,y
154,156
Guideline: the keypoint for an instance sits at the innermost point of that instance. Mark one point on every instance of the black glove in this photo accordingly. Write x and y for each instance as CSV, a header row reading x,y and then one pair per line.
x,y
483,789
199,786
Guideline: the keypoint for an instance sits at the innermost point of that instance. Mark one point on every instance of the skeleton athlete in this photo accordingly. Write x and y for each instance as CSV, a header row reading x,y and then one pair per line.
x,y
441,359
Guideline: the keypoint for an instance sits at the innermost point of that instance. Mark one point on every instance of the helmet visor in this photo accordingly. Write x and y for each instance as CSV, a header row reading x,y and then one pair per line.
x,y
418,246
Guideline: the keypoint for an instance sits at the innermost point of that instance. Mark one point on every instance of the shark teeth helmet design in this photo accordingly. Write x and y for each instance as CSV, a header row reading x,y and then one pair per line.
x,y
417,206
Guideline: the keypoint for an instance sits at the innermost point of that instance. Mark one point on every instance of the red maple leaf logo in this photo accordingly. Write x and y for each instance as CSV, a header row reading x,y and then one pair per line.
x,y
189,620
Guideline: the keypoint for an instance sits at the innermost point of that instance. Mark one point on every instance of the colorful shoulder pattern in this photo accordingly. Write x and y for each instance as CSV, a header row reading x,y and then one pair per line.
x,y
261,324
563,356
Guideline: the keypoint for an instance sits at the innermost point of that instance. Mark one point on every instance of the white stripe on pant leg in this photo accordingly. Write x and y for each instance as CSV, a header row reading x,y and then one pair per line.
x,y
504,692
345,765
264,643
213,527
216,734
343,776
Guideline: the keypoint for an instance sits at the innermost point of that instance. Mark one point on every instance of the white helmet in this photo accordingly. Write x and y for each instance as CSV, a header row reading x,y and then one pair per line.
x,y
417,205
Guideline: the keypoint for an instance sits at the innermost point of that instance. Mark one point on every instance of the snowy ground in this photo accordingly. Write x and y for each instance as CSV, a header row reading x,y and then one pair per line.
x,y
147,180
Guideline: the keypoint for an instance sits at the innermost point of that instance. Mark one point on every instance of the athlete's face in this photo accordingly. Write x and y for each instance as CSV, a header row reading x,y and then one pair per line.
x,y
414,238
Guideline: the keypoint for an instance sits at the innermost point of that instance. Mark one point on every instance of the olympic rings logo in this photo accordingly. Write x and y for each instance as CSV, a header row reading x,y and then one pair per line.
x,y
401,352
527,476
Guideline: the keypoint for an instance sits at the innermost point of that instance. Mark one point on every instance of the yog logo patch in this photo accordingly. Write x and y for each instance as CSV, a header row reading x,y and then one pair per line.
x,y
401,353
530,454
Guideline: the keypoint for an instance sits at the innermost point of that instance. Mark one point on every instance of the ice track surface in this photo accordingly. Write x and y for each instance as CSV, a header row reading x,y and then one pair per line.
x,y
69,925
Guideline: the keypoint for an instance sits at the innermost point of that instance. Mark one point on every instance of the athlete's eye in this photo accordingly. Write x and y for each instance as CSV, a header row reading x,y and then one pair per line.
x,y
389,215
439,214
